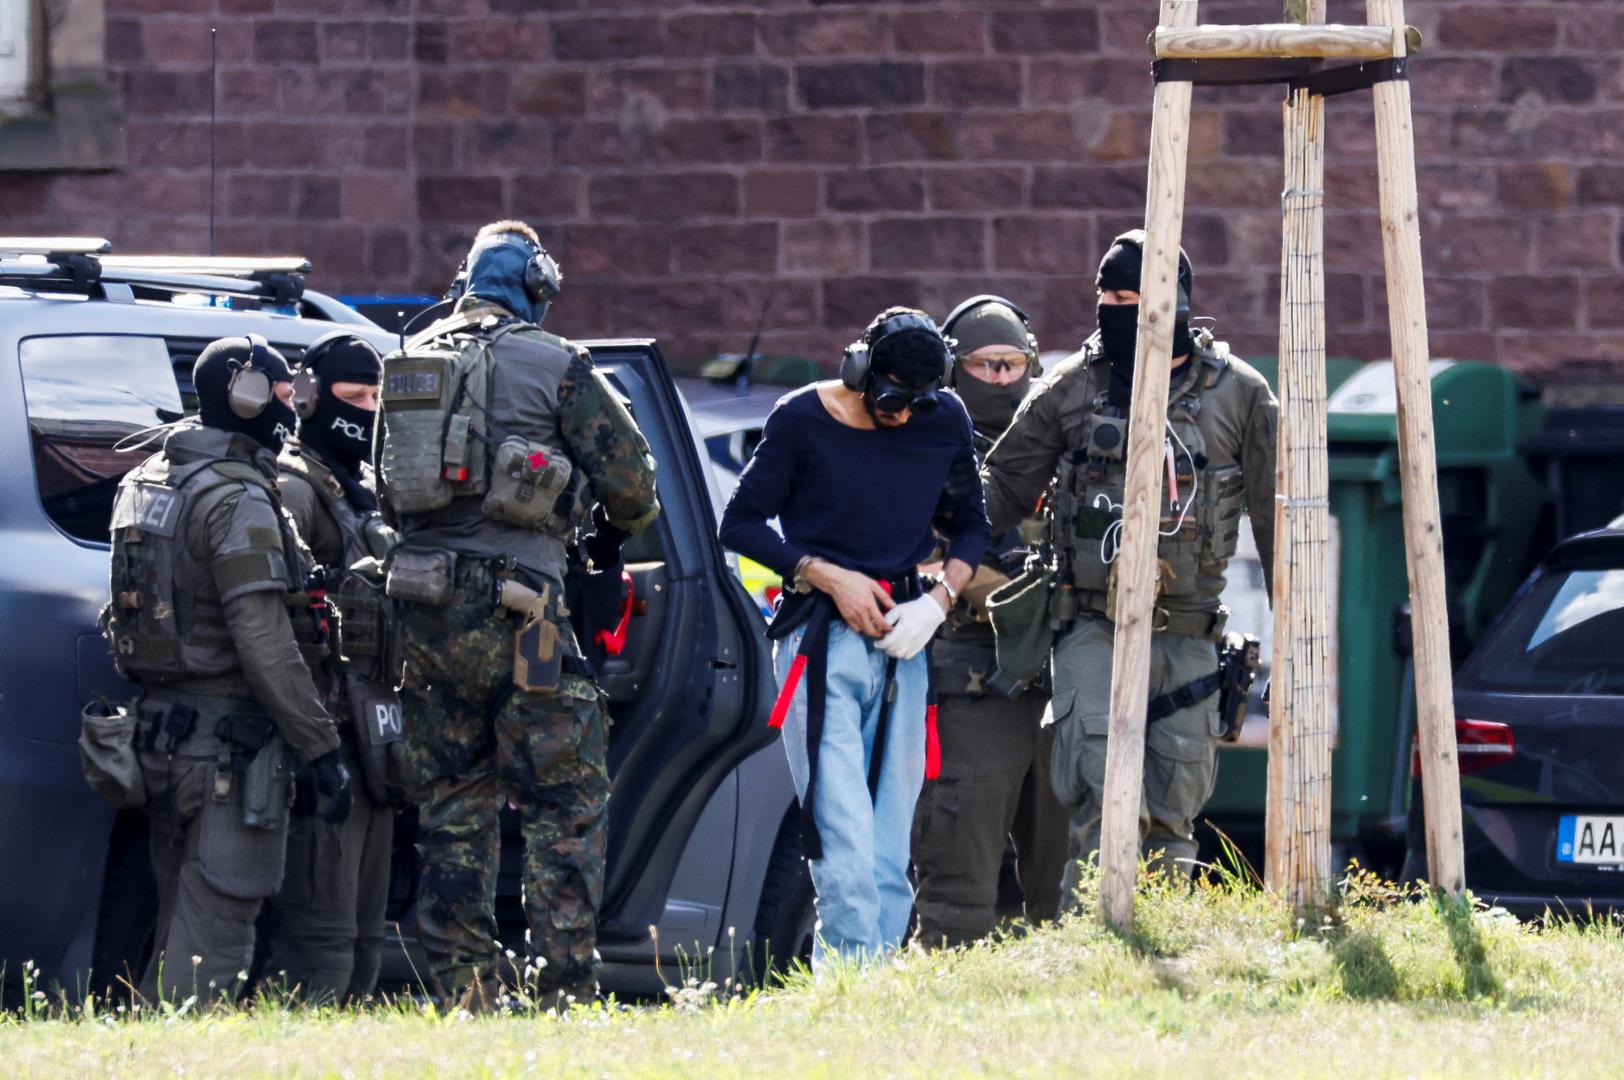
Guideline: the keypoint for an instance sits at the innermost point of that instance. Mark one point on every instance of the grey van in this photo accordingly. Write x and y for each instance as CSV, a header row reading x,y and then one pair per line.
x,y
704,854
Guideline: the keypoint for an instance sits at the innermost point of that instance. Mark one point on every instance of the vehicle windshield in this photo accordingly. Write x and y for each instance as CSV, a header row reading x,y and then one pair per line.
x,y
1562,637
85,392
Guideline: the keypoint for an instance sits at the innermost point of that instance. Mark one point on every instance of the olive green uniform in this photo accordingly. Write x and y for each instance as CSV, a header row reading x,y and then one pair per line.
x,y
207,576
325,927
1222,416
475,741
993,789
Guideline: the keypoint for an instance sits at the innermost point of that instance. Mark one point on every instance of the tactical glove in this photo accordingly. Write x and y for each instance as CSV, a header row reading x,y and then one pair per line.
x,y
913,624
333,781
603,546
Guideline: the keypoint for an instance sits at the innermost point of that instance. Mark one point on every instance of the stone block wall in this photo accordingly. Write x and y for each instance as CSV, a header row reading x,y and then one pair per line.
x,y
699,165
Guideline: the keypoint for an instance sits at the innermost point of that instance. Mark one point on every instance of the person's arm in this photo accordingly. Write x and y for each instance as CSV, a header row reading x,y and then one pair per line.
x,y
606,445
1257,472
311,518
963,513
762,493
1021,464
241,545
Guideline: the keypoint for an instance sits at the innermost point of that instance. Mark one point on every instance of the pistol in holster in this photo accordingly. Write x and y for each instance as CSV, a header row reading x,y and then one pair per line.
x,y
259,761
538,655
1238,662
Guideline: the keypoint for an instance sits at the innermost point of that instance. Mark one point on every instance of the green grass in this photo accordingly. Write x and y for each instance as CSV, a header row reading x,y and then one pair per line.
x,y
1219,980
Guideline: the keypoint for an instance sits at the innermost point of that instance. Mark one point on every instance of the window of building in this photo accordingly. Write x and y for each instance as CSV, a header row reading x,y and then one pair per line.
x,y
15,65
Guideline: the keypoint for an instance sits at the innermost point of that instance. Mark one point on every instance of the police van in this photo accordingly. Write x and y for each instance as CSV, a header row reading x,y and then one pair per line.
x,y
704,852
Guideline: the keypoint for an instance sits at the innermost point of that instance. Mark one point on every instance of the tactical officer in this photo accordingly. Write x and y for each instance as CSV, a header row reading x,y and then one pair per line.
x,y
495,439
994,784
1219,457
208,613
325,928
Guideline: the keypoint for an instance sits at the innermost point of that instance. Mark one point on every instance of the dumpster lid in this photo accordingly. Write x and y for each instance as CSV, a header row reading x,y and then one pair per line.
x,y
1374,389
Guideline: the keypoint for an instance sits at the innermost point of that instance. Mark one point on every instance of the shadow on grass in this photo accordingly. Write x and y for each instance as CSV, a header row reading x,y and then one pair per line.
x,y
1364,968
1466,939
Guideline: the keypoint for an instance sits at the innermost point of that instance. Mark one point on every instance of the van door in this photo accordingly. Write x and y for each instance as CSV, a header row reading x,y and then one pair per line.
x,y
692,689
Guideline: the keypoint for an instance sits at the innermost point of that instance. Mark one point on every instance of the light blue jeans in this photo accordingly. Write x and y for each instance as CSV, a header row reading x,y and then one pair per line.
x,y
863,898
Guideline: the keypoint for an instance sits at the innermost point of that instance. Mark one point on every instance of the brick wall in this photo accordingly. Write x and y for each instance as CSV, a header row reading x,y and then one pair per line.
x,y
694,161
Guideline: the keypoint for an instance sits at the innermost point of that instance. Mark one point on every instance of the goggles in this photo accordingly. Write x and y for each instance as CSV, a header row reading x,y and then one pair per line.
x,y
1017,362
892,397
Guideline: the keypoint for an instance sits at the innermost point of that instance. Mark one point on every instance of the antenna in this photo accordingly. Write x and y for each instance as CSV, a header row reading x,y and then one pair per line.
x,y
214,83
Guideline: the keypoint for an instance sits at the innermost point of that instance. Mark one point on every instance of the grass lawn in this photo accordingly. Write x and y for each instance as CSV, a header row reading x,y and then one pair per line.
x,y
1219,981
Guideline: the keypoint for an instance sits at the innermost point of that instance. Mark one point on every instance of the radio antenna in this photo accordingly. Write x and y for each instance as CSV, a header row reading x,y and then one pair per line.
x,y
214,84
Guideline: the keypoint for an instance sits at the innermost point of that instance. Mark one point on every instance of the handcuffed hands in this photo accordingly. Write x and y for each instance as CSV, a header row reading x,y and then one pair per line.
x,y
912,626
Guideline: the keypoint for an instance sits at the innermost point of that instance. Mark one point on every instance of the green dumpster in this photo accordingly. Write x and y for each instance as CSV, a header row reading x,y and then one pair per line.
x,y
1493,511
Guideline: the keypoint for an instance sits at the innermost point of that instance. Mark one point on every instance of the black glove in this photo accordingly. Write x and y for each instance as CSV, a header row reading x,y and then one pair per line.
x,y
603,546
333,781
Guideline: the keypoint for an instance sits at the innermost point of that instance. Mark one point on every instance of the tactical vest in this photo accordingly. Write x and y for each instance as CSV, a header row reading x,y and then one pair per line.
x,y
438,441
1197,534
164,618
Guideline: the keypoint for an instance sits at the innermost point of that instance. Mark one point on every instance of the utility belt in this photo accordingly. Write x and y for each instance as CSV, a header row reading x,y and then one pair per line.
x,y
247,749
438,577
1068,603
815,612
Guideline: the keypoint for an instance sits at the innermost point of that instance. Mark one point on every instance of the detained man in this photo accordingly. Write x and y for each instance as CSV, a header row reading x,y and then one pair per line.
x,y
860,472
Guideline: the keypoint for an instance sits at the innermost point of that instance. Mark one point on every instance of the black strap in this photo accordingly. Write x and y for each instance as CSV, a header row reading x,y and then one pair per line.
x,y
1190,693
1296,73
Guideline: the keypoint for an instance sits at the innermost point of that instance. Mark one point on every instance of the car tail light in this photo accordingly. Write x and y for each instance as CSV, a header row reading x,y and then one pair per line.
x,y
1479,745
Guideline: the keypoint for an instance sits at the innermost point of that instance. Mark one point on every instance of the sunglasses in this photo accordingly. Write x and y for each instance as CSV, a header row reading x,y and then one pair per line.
x,y
1016,362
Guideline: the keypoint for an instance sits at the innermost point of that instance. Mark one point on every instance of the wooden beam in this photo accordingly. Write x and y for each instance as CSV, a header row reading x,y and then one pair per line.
x,y
1298,823
1276,40
1142,499
1423,530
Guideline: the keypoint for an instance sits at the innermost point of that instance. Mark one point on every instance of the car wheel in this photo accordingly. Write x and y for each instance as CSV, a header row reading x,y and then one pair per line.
x,y
785,919
127,913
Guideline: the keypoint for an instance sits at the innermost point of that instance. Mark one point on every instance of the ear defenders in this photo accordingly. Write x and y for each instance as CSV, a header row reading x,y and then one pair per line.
x,y
856,364
249,391
306,383
542,278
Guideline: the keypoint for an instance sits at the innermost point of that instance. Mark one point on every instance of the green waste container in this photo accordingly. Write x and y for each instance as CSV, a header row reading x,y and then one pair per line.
x,y
1495,512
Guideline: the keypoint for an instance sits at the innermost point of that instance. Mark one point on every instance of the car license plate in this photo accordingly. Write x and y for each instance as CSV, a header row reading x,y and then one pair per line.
x,y
1590,839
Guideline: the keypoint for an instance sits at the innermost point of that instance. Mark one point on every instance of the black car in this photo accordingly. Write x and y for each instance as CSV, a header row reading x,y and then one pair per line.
x,y
1539,723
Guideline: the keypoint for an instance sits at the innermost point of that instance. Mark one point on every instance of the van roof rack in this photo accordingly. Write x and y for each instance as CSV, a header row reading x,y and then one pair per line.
x,y
84,265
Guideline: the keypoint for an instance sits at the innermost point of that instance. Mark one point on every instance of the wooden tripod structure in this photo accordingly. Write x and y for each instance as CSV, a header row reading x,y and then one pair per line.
x,y
1298,861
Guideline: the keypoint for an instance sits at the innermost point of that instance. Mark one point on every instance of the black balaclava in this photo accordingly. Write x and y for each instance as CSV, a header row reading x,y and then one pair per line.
x,y
341,433
212,374
991,406
1119,323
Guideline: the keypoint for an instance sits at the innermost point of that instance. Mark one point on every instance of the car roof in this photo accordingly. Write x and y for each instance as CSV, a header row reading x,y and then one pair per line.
x,y
1607,543
719,409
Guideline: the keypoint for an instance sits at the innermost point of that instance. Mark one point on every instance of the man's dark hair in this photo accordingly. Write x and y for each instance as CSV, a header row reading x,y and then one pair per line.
x,y
913,357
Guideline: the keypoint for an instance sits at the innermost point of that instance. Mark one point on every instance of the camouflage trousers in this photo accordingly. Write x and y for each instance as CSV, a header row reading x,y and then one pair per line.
x,y
476,743
1181,750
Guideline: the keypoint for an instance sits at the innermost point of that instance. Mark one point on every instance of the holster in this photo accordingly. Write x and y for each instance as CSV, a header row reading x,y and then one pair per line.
x,y
1238,662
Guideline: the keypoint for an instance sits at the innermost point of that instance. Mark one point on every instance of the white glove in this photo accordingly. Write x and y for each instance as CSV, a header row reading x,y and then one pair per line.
x,y
913,625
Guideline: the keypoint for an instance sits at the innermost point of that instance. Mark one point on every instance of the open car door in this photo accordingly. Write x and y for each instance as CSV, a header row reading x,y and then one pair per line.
x,y
692,687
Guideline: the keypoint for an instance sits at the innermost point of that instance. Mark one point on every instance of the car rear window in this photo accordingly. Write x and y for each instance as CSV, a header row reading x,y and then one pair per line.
x,y
84,393
1564,636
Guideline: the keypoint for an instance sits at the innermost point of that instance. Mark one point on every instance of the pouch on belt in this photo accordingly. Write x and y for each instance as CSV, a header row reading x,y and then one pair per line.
x,y
1019,612
108,756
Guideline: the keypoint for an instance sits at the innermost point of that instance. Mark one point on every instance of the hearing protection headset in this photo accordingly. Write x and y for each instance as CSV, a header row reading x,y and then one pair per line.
x,y
856,364
542,278
249,391
1031,346
306,383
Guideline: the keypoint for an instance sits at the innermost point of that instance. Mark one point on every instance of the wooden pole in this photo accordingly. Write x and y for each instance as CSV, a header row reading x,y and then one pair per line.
x,y
1298,837
1423,532
1277,40
1142,499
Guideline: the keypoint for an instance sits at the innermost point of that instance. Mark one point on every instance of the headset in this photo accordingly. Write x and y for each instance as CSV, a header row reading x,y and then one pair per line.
x,y
856,362
249,392
542,277
306,383
1031,348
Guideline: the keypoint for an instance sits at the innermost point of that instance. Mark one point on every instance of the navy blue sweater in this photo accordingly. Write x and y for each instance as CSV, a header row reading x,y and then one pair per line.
x,y
863,499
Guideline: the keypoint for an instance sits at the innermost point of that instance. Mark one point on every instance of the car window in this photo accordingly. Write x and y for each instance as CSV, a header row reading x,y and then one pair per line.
x,y
1561,637
83,394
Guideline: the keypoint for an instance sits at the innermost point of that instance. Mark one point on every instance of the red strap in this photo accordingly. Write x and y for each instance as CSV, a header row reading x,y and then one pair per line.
x,y
615,643
786,696
933,745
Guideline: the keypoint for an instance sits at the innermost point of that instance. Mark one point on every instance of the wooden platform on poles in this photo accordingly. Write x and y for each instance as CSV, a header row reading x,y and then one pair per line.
x,y
1298,860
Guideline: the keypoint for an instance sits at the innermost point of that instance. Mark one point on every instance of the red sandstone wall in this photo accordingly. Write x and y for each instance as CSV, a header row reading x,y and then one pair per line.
x,y
690,160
